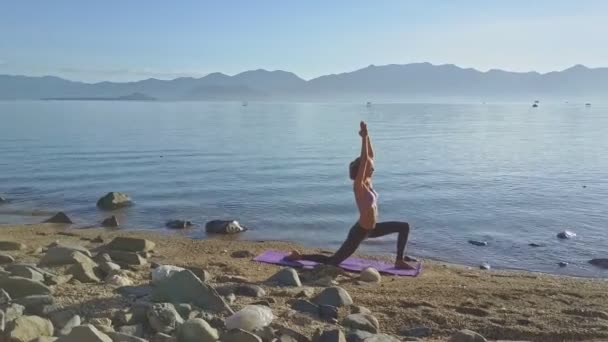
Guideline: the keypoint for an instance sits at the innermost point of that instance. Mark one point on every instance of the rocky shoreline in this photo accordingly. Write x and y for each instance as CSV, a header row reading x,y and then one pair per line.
x,y
108,285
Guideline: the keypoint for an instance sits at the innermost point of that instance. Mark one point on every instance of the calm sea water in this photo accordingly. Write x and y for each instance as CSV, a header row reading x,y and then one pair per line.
x,y
507,174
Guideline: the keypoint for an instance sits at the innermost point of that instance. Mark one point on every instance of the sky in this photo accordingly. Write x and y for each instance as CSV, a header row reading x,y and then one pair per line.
x,y
120,40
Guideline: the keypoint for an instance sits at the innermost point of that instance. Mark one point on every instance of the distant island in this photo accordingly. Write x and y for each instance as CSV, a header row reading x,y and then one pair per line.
x,y
394,82
130,97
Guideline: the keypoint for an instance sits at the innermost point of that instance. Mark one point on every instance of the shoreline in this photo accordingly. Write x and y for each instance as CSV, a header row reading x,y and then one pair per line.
x,y
499,304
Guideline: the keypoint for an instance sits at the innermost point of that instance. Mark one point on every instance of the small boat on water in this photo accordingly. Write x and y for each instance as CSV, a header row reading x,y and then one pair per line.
x,y
535,105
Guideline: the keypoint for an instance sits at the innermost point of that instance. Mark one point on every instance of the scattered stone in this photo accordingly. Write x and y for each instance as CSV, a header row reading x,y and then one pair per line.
x,y
133,330
185,287
360,309
466,310
118,280
417,332
130,244
562,264
250,318
184,310
84,272
135,291
160,337
566,234
328,313
370,275
358,335
601,263
64,321
288,334
533,244
242,254
197,330
466,336
6,259
382,338
249,290
111,222
286,277
334,296
11,246
201,273
64,256
239,335
163,317
224,227
121,337
127,258
231,298
114,200
108,267
305,306
266,333
97,322
306,292
178,224
86,332
3,200
60,217
365,322
333,335
27,328
26,271
35,304
20,287
485,266
13,311
478,243
227,278
5,298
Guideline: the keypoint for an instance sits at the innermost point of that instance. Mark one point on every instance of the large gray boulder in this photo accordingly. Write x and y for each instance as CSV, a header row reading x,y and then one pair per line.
x,y
26,271
57,256
18,287
127,258
224,227
114,200
334,296
185,287
130,244
27,328
84,272
286,277
197,330
164,318
83,333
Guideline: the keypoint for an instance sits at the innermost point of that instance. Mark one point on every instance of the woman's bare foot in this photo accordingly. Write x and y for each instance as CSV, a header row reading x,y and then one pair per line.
x,y
294,256
402,265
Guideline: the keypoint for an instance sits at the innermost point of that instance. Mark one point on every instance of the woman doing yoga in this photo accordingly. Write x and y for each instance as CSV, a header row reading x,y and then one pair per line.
x,y
361,171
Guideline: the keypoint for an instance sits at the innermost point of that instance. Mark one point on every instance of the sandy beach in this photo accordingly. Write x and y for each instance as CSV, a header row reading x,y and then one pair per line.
x,y
500,305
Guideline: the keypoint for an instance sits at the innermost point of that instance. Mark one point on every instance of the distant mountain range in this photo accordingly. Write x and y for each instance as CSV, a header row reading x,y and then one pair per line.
x,y
370,83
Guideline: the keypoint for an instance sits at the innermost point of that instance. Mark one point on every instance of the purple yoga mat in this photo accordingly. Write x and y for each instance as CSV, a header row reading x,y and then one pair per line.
x,y
350,264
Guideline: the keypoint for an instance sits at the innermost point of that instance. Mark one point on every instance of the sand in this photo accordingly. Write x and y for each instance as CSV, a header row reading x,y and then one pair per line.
x,y
504,305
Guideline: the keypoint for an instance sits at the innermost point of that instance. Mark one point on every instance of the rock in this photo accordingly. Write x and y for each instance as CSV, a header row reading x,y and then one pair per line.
x,y
382,338
249,290
135,291
286,277
163,317
27,328
110,222
121,337
130,244
5,298
365,322
133,330
178,224
533,244
417,332
6,259
84,272
305,306
466,336
566,234
334,296
328,313
108,267
562,264
184,310
478,243
127,258
306,292
242,254
601,263
64,321
185,287
13,311
35,304
224,227
114,200
485,266
64,256
97,322
160,337
197,330
20,287
288,334
11,246
239,335
250,318
266,333
3,200
25,271
118,280
227,278
370,275
86,332
333,335
360,309
60,217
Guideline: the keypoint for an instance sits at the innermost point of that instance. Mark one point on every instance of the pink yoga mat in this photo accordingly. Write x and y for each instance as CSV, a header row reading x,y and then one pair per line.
x,y
350,264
